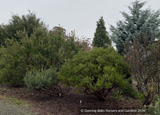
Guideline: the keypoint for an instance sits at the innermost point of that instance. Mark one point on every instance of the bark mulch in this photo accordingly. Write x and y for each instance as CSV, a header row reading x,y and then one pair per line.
x,y
70,103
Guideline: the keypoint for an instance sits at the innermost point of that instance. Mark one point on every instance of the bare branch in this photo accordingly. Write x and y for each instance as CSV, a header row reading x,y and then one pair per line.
x,y
143,55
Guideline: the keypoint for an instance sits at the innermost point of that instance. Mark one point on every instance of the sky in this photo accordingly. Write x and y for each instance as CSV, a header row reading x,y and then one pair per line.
x,y
78,15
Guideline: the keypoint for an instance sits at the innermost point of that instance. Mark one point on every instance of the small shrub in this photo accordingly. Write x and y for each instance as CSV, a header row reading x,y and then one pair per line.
x,y
40,79
140,95
154,110
129,91
117,94
155,99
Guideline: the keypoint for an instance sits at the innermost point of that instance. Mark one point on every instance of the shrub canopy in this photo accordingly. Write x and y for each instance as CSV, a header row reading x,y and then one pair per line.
x,y
41,48
95,70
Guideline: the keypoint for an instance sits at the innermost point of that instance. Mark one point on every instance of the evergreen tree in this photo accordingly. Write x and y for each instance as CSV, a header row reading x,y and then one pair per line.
x,y
17,23
139,22
101,38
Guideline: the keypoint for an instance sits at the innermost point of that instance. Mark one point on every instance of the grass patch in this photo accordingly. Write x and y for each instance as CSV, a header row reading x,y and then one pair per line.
x,y
15,101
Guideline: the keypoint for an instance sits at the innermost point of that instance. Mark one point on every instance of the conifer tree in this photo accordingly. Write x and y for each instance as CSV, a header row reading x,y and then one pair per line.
x,y
139,22
101,38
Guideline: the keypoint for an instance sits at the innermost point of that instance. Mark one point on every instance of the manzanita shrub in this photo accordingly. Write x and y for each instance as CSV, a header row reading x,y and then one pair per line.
x,y
96,72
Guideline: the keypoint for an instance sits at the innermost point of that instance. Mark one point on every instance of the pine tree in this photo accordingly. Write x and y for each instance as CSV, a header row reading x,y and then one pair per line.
x,y
101,38
138,23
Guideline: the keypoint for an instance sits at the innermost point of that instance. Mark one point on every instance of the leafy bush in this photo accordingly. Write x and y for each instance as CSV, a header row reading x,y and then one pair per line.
x,y
30,53
95,71
12,64
128,77
45,81
129,91
16,23
40,79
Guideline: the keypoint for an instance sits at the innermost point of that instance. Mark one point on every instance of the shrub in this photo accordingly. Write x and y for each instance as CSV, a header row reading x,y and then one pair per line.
x,y
139,95
95,71
41,48
143,59
128,77
12,64
40,79
45,81
154,110
16,23
129,91
155,99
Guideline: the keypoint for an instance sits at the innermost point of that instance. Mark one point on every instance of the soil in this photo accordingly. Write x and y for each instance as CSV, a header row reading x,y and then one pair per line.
x,y
70,103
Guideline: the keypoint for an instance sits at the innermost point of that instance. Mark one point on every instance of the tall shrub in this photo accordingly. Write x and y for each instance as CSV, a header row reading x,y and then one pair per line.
x,y
41,48
19,23
144,62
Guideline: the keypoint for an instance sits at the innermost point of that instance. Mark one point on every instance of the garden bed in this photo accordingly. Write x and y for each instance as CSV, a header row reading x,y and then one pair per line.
x,y
70,103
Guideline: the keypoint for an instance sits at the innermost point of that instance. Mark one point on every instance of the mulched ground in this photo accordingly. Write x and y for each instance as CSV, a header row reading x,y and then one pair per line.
x,y
70,103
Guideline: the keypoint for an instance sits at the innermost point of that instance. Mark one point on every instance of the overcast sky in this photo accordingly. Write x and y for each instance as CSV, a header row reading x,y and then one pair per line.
x,y
78,15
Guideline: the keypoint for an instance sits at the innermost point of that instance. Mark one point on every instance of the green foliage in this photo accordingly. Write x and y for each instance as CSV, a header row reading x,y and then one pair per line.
x,y
154,110
12,64
40,79
129,91
101,38
140,95
17,23
155,99
95,70
157,107
41,48
2,33
140,21
117,94
128,77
